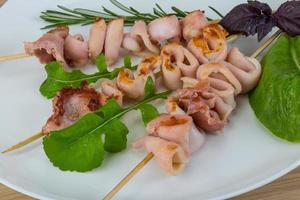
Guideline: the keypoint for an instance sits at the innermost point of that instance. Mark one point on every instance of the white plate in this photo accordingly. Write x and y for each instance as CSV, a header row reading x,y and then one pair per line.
x,y
245,157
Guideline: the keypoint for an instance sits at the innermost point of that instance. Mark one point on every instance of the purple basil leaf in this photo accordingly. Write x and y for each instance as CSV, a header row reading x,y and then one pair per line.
x,y
264,27
287,17
249,18
263,7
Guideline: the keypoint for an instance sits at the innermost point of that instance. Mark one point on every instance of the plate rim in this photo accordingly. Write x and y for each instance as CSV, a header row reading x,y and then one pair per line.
x,y
243,190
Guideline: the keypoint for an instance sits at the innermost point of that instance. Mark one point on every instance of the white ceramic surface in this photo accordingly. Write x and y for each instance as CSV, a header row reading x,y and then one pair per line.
x,y
244,157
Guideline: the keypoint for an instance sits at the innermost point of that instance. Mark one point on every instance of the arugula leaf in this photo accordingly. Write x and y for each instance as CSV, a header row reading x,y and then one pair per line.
x,y
149,87
148,112
110,109
127,61
115,136
276,99
58,77
101,64
80,146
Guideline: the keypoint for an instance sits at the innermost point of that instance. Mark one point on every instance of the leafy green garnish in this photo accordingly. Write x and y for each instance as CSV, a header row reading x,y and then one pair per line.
x,y
78,147
81,147
149,87
276,99
59,78
148,112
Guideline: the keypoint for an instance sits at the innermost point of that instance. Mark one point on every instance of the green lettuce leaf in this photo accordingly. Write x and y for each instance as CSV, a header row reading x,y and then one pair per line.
x,y
276,99
58,77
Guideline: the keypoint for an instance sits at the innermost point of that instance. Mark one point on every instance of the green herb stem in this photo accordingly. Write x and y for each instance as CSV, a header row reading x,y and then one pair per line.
x,y
161,95
66,16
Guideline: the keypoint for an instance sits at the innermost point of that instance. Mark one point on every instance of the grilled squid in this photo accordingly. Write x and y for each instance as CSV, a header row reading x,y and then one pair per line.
x,y
113,40
76,51
138,40
131,43
168,139
149,65
180,57
50,46
218,73
173,128
97,38
110,89
169,155
165,28
70,104
208,110
171,73
133,87
171,138
211,46
219,87
177,61
192,25
196,136
247,70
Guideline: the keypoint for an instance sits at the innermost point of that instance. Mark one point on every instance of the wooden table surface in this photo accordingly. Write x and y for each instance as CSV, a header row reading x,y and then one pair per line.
x,y
285,188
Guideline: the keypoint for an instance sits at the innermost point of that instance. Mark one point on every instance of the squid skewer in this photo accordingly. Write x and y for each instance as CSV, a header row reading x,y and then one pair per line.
x,y
231,38
150,155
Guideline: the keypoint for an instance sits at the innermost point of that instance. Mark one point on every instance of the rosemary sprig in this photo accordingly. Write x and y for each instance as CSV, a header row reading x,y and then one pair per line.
x,y
216,11
66,16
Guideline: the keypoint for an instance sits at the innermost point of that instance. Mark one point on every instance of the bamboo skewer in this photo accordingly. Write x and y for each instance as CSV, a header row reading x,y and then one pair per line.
x,y
129,176
23,143
150,155
14,57
266,44
2,2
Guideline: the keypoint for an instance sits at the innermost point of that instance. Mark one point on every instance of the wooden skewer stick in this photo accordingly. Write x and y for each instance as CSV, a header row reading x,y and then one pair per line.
x,y
266,44
137,168
23,143
129,176
14,57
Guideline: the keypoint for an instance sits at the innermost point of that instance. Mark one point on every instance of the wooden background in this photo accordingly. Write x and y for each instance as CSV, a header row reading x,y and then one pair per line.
x,y
285,188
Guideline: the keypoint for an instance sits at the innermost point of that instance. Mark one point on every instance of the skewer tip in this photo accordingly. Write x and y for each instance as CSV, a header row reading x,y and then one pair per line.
x,y
129,176
23,143
6,151
14,57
